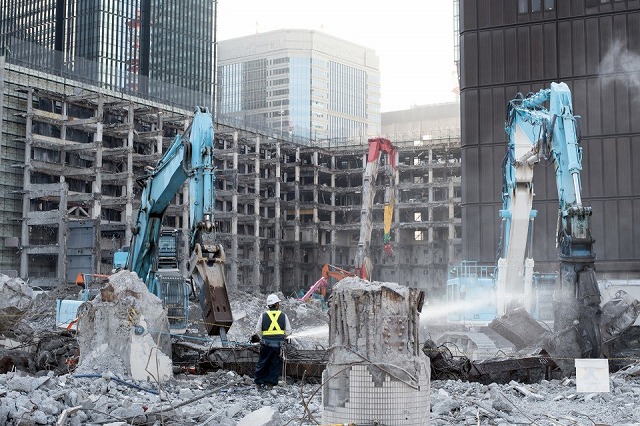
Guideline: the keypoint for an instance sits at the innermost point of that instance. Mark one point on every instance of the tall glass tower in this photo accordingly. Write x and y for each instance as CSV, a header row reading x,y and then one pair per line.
x,y
300,83
170,41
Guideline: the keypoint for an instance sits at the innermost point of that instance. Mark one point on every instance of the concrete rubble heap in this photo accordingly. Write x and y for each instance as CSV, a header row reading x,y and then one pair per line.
x,y
228,399
125,331
16,299
375,371
225,398
219,398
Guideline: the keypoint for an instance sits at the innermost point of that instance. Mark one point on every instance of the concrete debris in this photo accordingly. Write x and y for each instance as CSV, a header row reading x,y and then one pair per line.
x,y
218,398
225,398
520,328
125,330
16,297
30,396
553,402
265,416
618,314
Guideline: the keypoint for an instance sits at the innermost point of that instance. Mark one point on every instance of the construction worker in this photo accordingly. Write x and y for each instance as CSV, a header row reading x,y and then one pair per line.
x,y
272,327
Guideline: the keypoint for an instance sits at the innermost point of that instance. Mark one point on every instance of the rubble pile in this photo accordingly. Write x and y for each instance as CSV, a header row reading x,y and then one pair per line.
x,y
38,386
553,402
225,398
219,398
29,340
16,297
125,330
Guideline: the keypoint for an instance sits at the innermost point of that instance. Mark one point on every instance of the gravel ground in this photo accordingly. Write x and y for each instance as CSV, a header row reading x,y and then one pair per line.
x,y
224,398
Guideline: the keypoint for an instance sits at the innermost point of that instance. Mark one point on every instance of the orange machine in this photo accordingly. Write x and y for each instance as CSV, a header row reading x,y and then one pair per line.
x,y
328,271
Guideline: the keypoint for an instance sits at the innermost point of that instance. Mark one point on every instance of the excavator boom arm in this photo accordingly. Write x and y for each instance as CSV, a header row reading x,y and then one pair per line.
x,y
537,133
377,146
190,159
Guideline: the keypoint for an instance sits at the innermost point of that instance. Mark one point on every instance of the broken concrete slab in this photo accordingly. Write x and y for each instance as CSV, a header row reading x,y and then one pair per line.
x,y
125,331
265,416
519,328
618,314
16,297
26,383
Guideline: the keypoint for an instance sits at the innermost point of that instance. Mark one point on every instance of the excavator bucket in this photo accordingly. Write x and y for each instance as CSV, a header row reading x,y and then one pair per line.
x,y
590,311
207,271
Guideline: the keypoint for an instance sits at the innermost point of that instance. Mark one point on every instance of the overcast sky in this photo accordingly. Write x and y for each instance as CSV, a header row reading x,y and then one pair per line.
x,y
412,38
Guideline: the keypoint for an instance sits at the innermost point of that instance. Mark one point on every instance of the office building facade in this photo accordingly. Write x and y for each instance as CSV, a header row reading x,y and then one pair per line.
x,y
120,44
522,46
300,83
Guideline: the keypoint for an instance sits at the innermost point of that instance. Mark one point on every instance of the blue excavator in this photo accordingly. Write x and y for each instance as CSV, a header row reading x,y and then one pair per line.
x,y
541,129
153,252
549,135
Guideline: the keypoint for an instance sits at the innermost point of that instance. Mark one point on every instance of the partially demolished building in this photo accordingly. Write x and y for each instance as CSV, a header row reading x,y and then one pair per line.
x,y
72,152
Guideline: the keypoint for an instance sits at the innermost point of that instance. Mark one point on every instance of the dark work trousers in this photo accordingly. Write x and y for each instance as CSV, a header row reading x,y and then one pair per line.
x,y
269,364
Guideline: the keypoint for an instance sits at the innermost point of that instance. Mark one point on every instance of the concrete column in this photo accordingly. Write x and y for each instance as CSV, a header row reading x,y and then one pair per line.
x,y
333,212
61,272
452,225
430,208
277,279
96,210
297,255
375,356
26,207
63,136
128,213
159,148
256,213
396,219
61,275
233,282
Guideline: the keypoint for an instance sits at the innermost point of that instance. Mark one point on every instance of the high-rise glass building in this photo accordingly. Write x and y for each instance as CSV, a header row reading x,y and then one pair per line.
x,y
126,42
300,83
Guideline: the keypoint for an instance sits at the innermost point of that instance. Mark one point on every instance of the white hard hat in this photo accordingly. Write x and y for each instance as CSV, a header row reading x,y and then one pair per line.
x,y
272,299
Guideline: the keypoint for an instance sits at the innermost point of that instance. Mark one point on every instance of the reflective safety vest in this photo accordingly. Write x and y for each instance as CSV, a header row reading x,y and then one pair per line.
x,y
273,324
